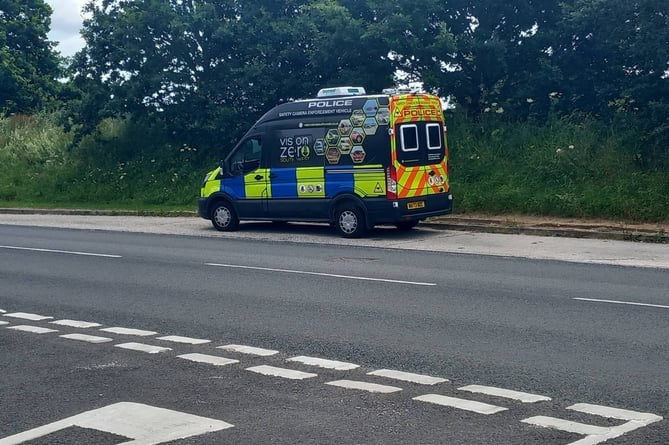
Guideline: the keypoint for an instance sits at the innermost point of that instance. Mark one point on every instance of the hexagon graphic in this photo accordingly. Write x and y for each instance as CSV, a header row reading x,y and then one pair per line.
x,y
371,125
319,147
345,146
383,116
357,118
358,154
332,137
371,107
333,155
345,127
357,136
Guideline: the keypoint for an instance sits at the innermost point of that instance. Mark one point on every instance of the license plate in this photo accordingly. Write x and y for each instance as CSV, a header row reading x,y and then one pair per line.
x,y
415,205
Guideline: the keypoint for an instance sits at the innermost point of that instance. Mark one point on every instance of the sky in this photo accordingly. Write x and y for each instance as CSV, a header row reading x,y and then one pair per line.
x,y
65,25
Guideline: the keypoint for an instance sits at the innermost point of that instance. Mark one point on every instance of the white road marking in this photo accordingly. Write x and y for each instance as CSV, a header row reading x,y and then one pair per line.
x,y
364,386
87,338
506,393
614,413
281,372
33,329
467,405
76,324
142,424
322,363
209,359
141,347
249,350
185,340
2,311
28,316
567,425
3,322
34,249
408,377
629,303
128,331
321,274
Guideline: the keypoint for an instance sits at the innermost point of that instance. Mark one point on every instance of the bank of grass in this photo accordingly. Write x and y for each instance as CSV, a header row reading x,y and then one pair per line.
x,y
574,167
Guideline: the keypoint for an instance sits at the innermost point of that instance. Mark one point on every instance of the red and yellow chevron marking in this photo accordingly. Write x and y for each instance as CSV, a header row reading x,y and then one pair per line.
x,y
415,107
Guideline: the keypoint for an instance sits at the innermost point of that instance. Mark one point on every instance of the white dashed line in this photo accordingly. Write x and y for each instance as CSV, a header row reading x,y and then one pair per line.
x,y
33,329
567,425
614,413
506,393
28,316
321,274
364,386
322,363
281,372
141,347
467,405
185,340
76,324
86,338
629,303
34,249
128,331
249,350
408,377
209,359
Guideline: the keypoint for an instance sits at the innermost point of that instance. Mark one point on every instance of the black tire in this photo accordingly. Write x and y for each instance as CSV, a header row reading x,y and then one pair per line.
x,y
406,225
223,217
350,221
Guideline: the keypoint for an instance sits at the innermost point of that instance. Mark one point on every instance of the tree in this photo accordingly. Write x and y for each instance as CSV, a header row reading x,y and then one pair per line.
x,y
29,64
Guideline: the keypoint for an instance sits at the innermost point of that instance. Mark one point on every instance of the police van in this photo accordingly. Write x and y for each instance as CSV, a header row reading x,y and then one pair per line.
x,y
346,158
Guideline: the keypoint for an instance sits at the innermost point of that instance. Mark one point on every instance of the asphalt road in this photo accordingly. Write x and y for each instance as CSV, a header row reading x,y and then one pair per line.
x,y
571,332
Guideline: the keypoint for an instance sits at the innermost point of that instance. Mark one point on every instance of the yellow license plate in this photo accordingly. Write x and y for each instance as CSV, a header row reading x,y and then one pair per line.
x,y
415,205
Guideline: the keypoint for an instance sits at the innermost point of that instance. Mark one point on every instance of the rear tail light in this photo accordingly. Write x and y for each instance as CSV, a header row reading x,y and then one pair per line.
x,y
391,183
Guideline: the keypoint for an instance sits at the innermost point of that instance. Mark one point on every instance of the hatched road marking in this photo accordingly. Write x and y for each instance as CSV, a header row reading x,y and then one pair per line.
x,y
141,347
567,425
281,372
408,377
76,324
364,386
28,316
3,322
467,405
128,331
185,340
86,338
323,363
506,393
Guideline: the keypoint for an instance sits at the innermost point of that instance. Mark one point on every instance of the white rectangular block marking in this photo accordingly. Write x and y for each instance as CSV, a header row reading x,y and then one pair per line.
x,y
364,386
567,425
143,424
467,405
249,350
141,347
185,340
614,413
76,324
281,372
86,338
33,329
28,316
506,393
322,363
3,323
209,359
2,311
408,377
128,331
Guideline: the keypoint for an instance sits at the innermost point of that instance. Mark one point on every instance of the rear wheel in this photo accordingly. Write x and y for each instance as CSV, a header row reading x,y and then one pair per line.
x,y
350,221
406,225
224,217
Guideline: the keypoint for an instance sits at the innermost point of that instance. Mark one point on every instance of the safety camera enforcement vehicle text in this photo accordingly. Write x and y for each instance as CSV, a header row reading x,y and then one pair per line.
x,y
345,158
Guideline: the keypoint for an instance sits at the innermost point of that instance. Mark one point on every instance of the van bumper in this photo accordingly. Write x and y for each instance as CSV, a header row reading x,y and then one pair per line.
x,y
382,211
202,207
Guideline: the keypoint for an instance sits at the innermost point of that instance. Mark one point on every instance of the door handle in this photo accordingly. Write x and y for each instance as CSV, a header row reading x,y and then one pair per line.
x,y
272,176
258,177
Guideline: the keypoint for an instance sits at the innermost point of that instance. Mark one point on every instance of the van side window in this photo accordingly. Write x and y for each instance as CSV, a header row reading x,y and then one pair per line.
x,y
246,158
409,137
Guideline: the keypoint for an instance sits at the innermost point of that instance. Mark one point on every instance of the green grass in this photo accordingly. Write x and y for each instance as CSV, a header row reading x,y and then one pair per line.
x,y
576,167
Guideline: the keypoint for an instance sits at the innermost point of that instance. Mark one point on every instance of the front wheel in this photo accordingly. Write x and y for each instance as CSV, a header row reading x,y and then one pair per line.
x,y
350,222
223,217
